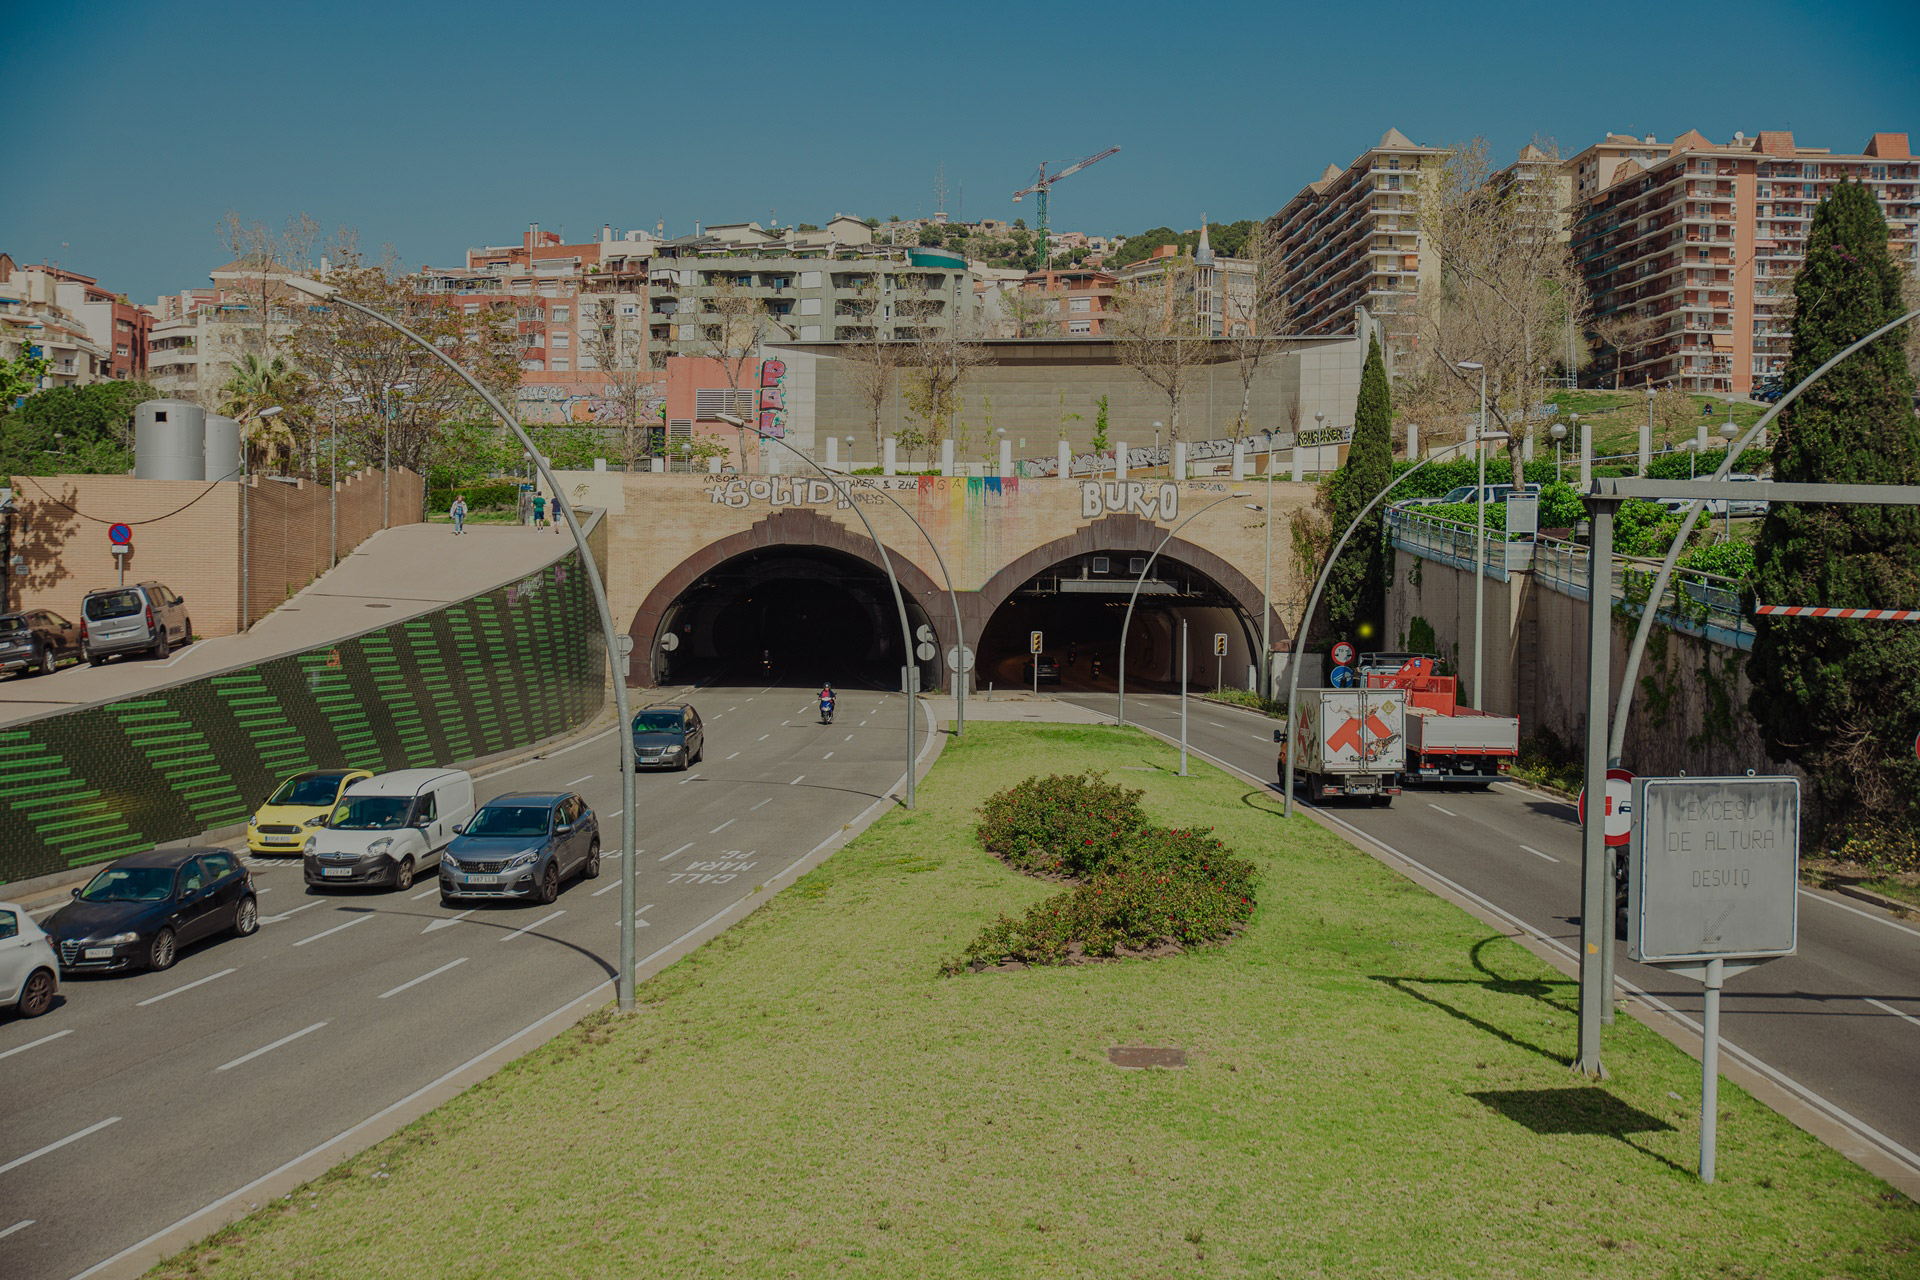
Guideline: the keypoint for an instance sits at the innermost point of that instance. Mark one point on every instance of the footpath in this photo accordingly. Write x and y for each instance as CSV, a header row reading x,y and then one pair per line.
x,y
394,575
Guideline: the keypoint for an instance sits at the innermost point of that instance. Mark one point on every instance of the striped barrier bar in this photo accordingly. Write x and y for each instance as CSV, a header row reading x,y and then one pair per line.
x,y
1818,611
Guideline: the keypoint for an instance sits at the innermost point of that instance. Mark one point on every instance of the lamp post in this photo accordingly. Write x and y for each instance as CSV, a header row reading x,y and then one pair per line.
x,y
886,562
386,455
848,441
1559,433
1480,532
1266,597
246,600
623,981
333,484
1120,711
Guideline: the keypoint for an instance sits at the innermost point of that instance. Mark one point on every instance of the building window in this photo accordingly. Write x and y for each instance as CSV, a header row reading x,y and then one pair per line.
x,y
1080,326
561,341
562,314
561,365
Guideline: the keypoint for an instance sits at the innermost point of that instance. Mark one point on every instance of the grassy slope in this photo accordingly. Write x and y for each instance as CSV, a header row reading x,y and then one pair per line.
x,y
1616,417
1378,1087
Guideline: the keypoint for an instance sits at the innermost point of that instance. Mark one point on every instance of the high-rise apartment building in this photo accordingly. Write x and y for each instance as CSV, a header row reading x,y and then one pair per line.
x,y
1225,290
1689,253
1352,239
35,315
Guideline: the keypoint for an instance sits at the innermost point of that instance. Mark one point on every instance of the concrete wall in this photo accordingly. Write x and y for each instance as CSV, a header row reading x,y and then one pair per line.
x,y
187,535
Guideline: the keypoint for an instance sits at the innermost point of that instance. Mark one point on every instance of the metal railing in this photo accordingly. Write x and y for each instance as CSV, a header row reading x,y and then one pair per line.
x,y
1452,542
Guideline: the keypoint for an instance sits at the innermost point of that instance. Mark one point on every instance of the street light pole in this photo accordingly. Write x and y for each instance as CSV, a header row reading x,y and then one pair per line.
x,y
1120,712
1479,535
1266,597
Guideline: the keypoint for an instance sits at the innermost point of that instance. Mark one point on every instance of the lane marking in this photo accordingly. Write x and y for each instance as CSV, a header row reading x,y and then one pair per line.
x,y
734,754
677,852
765,736
22,1048
736,708
197,982
1450,813
827,756
21,1225
55,1146
292,911
427,892
336,929
1536,853
1881,1004
785,723
577,781
796,781
269,1048
689,778
642,911
551,915
616,813
723,826
1216,724
546,756
450,921
1864,915
607,889
848,738
768,800
451,964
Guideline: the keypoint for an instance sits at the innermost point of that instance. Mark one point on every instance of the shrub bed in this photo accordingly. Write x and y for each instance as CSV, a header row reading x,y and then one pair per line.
x,y
1135,889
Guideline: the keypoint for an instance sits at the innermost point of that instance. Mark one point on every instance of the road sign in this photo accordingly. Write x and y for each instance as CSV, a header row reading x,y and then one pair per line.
x,y
119,535
1715,869
959,659
1033,642
1619,825
670,642
923,633
1341,676
1219,644
1342,654
924,651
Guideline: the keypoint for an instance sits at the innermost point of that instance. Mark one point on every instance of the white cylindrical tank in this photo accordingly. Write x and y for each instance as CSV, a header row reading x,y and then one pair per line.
x,y
169,440
223,448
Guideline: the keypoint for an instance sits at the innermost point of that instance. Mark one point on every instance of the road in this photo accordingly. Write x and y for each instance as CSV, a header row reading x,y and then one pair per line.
x,y
1840,1020
142,1099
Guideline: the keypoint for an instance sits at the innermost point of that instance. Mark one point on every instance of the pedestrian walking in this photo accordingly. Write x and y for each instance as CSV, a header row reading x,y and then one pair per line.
x,y
539,511
459,513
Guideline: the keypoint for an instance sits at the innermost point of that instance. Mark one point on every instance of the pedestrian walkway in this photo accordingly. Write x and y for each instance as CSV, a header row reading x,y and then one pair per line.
x,y
394,575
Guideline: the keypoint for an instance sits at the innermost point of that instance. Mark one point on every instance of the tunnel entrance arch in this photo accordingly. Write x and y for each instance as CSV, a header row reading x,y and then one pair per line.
x,y
797,592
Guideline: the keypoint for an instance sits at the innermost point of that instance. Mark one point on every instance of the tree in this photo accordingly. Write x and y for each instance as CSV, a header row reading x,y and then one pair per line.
x,y
264,256
1508,282
1356,592
937,358
1836,697
257,383
733,324
626,372
1256,322
20,376
873,359
1157,333
94,426
1030,313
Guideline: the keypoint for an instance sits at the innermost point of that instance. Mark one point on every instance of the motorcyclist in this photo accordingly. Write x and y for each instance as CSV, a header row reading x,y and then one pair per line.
x,y
826,704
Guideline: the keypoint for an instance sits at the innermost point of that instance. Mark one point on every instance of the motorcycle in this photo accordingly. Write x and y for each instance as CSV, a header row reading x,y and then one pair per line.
x,y
826,711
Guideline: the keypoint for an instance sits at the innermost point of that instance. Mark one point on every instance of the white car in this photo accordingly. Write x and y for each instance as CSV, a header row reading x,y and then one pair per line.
x,y
29,970
389,828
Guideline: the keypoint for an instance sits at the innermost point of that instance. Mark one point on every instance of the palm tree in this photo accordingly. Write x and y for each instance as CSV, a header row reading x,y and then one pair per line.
x,y
256,384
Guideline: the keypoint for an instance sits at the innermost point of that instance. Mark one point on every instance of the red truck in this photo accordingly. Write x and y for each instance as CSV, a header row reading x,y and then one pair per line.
x,y
1446,742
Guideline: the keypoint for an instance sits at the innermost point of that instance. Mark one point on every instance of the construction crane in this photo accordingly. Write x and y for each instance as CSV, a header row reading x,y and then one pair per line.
x,y
1044,184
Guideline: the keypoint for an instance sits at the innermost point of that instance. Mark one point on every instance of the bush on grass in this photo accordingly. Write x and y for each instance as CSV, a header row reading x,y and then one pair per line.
x,y
1066,824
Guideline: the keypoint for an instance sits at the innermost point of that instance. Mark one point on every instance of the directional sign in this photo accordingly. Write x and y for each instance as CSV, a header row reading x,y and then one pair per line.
x,y
670,642
1342,654
1619,815
959,659
1342,677
119,535
1219,644
923,633
1715,869
1033,642
924,651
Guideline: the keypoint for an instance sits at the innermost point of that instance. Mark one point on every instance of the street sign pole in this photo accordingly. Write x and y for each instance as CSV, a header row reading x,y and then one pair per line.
x,y
1710,1068
1183,697
1596,903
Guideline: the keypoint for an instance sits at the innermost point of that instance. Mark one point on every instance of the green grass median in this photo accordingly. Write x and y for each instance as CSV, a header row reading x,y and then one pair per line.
x,y
1376,1086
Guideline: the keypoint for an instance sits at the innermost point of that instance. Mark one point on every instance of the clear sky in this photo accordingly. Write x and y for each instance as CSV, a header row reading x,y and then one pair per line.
x,y
133,126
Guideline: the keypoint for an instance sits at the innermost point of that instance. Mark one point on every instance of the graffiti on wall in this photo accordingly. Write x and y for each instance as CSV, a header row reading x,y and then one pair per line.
x,y
802,491
1146,499
773,397
554,403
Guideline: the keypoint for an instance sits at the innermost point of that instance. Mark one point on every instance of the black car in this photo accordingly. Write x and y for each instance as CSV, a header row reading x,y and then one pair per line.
x,y
668,737
1049,669
37,641
139,912
522,845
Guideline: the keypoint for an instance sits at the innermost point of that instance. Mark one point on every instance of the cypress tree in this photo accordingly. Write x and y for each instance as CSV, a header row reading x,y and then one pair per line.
x,y
1356,592
1842,699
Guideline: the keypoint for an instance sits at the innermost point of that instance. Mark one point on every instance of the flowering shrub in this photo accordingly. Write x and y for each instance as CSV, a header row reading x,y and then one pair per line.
x,y
1167,886
1062,824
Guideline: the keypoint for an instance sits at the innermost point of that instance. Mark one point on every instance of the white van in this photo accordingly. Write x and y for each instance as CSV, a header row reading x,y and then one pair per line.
x,y
389,828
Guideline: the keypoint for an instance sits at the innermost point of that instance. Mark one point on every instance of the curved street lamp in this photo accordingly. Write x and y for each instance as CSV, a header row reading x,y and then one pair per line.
x,y
1120,711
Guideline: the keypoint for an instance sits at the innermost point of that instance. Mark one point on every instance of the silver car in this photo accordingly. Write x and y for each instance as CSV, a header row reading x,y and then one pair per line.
x,y
143,618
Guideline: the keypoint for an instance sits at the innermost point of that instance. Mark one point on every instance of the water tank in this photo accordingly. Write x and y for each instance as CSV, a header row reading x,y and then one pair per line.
x,y
170,440
223,448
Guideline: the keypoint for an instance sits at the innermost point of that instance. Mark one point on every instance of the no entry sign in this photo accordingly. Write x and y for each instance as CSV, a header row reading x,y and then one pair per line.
x,y
1619,812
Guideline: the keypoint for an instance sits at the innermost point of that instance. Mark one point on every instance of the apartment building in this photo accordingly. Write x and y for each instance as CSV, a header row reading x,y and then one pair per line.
x,y
197,336
1352,239
34,316
1689,254
1076,301
1225,290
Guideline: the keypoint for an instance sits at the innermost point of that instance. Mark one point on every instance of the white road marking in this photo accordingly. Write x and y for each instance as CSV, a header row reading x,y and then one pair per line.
x,y
848,738
336,929
768,800
450,921
186,987
551,915
607,888
268,889
20,1225
736,708
22,1048
269,1048
1450,813
546,756
293,911
734,754
577,781
642,911
827,756
785,723
1866,915
723,826
427,892
689,778
1216,724
1880,1004
55,1146
616,813
414,982
677,852
1536,853
765,736
796,781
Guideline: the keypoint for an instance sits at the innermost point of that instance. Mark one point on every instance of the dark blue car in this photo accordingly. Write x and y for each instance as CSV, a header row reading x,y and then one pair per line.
x,y
522,845
139,912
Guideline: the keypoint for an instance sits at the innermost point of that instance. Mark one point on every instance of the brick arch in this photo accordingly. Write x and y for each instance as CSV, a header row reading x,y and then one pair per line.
x,y
797,527
1127,533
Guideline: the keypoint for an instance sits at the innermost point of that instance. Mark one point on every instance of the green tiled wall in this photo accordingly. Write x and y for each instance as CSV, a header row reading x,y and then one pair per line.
x,y
499,671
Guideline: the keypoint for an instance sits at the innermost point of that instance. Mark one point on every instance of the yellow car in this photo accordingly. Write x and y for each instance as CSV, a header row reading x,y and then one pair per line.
x,y
281,824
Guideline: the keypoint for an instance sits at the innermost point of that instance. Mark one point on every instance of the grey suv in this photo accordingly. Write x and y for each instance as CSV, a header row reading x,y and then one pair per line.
x,y
143,618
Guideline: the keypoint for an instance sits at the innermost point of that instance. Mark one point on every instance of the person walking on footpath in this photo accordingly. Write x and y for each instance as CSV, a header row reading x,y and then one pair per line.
x,y
539,510
459,513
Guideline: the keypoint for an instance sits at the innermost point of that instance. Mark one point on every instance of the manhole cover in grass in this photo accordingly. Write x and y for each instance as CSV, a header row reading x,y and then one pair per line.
x,y
1139,1057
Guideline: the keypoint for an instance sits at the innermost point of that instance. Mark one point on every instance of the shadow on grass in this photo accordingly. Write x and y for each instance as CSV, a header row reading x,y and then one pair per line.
x,y
1541,989
1577,1111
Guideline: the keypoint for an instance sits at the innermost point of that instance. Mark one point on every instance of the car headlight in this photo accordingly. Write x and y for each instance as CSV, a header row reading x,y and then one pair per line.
x,y
524,860
308,846
120,939
253,822
380,846
449,861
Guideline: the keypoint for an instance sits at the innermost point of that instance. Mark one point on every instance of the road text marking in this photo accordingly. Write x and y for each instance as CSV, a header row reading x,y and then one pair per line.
x,y
177,990
414,982
269,1048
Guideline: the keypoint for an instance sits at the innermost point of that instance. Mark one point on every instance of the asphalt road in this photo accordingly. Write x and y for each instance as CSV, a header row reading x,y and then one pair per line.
x,y
141,1099
1840,1021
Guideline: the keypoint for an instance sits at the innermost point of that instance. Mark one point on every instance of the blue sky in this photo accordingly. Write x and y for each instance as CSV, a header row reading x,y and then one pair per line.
x,y
433,127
